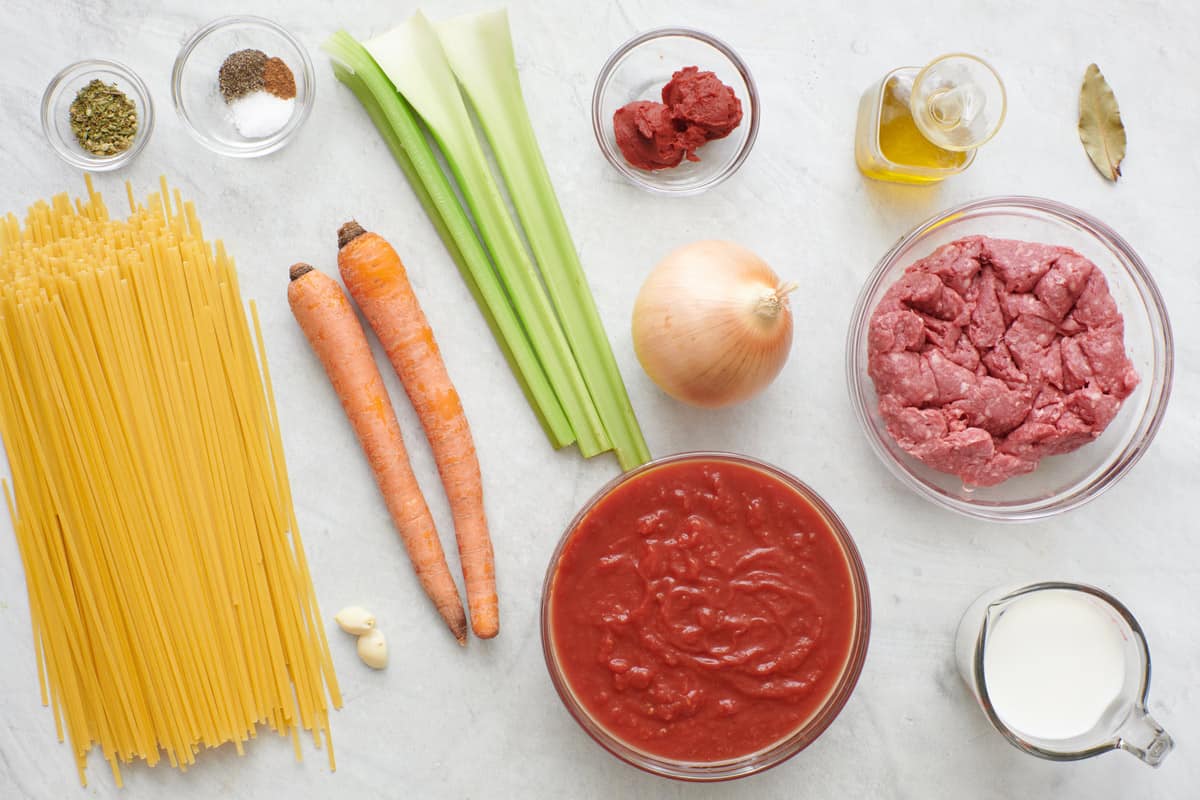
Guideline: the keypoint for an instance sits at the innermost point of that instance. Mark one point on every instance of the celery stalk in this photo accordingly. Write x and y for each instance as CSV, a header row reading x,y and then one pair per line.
x,y
412,57
480,51
400,129
559,433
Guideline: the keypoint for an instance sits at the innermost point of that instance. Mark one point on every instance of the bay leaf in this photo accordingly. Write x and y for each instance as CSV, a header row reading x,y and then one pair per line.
x,y
1100,126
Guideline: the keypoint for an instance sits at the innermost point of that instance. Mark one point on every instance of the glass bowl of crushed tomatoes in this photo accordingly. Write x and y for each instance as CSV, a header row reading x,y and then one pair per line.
x,y
644,69
1069,412
705,616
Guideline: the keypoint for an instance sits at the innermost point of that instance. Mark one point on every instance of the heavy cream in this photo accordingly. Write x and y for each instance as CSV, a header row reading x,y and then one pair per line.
x,y
1054,664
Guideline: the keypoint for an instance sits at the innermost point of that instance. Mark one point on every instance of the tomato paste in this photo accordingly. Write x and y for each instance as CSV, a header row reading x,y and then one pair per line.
x,y
703,610
696,108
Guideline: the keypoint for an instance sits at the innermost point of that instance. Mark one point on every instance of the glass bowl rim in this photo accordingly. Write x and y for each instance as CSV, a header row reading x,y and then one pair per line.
x,y
1162,365
88,162
268,144
617,161
776,753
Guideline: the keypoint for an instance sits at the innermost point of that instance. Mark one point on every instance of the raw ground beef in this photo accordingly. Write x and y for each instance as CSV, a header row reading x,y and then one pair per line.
x,y
992,353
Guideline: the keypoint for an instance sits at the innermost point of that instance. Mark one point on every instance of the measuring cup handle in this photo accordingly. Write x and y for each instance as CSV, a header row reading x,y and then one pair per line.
x,y
1145,738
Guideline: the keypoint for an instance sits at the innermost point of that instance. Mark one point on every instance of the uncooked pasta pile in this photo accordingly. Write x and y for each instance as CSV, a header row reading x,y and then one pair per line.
x,y
171,602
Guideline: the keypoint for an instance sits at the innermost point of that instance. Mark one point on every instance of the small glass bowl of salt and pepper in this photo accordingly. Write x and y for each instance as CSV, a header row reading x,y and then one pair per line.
x,y
243,86
97,115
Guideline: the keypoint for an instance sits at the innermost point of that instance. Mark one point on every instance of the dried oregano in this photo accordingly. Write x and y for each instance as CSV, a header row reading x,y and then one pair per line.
x,y
103,119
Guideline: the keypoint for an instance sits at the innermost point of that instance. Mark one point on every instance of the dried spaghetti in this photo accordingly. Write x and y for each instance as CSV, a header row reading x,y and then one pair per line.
x,y
171,602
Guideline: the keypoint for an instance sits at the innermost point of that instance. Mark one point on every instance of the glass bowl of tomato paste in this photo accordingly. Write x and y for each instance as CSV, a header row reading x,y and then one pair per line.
x,y
639,70
705,616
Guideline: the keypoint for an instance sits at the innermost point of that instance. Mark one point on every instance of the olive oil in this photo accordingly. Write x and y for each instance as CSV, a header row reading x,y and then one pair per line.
x,y
923,125
901,141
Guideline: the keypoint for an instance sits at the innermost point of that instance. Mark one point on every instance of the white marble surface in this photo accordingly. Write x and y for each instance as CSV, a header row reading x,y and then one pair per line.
x,y
485,722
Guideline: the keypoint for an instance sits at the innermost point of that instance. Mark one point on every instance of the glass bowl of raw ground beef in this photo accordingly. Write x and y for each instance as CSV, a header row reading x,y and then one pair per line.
x,y
990,377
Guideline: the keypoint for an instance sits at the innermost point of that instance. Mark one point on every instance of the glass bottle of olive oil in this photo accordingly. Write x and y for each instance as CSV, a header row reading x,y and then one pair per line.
x,y
922,125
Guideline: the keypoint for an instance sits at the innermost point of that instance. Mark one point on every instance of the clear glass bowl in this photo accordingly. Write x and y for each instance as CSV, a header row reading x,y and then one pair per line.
x,y
197,96
56,112
754,762
638,70
1060,482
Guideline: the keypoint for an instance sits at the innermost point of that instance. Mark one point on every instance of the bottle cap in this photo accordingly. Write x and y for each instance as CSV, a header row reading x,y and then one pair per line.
x,y
958,102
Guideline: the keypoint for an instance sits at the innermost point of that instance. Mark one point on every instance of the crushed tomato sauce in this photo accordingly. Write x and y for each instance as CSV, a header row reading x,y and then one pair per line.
x,y
702,610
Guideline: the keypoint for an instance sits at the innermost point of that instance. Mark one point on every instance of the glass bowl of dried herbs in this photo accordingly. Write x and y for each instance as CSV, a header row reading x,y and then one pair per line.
x,y
97,115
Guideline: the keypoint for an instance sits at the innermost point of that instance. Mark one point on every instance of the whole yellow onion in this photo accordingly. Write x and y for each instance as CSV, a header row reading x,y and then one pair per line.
x,y
712,325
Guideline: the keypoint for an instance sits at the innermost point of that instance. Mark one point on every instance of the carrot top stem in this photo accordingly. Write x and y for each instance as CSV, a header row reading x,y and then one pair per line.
x,y
298,269
349,232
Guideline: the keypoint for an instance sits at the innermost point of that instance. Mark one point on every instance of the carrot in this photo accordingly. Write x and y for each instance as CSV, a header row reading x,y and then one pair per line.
x,y
376,279
336,336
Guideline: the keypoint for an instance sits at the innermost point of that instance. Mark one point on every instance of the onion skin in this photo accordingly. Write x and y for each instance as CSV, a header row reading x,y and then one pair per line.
x,y
712,325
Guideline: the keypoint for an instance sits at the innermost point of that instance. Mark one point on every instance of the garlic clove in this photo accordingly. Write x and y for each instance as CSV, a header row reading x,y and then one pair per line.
x,y
355,620
372,649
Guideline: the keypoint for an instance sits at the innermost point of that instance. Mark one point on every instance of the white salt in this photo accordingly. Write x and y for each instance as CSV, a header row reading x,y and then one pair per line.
x,y
260,114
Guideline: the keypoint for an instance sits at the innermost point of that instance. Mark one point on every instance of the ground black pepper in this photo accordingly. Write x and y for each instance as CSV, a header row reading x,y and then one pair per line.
x,y
241,74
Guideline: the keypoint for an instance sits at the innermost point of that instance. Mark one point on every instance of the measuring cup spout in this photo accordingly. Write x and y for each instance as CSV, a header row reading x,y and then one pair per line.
x,y
1145,738
993,611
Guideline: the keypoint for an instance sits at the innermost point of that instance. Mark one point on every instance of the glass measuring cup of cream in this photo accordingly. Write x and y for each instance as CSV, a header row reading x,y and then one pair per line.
x,y
1062,670
922,125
